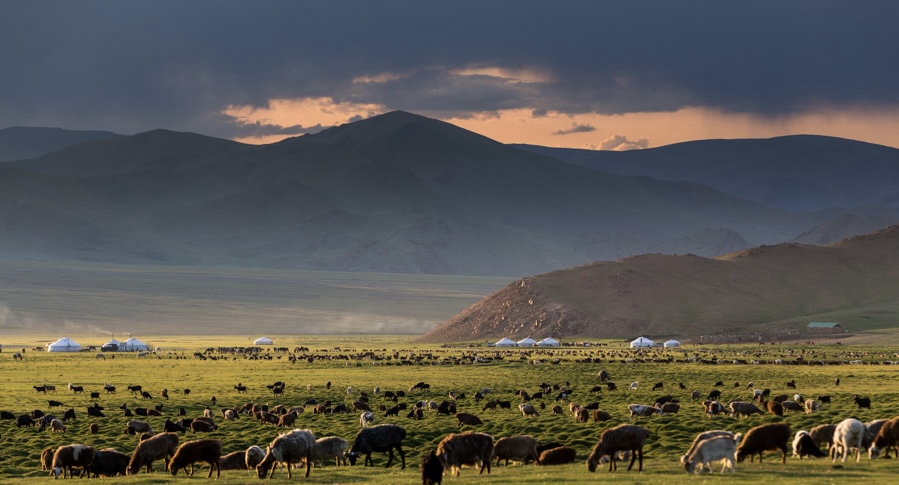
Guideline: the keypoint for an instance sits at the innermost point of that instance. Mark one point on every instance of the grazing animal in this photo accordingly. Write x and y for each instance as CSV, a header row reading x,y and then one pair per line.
x,y
657,386
528,409
70,456
886,438
56,426
775,408
468,419
862,402
69,415
293,447
431,469
109,462
202,425
741,408
47,458
712,449
516,448
161,446
190,452
849,433
765,437
811,406
366,419
822,435
383,438
255,454
642,410
791,384
330,448
466,449
93,428
624,437
236,460
600,415
559,455
135,427
803,445
704,436
792,406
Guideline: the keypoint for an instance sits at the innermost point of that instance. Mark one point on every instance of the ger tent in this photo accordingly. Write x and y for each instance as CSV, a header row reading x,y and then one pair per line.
x,y
672,343
263,341
548,342
527,342
506,342
134,345
642,342
64,344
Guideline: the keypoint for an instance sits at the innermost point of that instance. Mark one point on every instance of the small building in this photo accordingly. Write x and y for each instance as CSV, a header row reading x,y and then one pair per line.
x,y
64,344
506,342
527,342
824,327
672,343
263,341
642,342
548,342
133,345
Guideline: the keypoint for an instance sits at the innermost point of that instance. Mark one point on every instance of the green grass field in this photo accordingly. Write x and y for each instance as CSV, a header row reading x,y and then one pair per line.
x,y
518,369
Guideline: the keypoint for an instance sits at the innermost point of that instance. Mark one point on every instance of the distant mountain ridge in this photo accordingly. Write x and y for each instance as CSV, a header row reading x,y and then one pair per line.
x,y
20,142
762,290
394,193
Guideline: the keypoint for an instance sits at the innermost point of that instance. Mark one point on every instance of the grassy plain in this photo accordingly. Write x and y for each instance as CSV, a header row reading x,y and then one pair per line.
x,y
517,369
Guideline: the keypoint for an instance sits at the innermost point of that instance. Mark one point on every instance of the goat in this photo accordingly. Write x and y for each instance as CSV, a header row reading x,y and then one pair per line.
x,y
611,441
706,451
848,434
69,456
701,437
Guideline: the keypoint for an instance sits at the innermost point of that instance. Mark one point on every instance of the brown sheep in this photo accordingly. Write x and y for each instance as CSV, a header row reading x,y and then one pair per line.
x,y
47,458
468,448
765,437
93,428
516,448
255,455
775,408
190,452
600,415
469,419
287,420
887,437
200,425
823,435
627,437
560,455
161,446
236,460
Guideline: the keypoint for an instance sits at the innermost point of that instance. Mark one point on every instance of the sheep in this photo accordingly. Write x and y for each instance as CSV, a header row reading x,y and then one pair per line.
x,y
792,406
109,462
811,406
601,415
173,427
190,452
293,447
24,420
431,469
642,410
516,448
47,458
713,408
466,449
56,426
740,408
287,420
823,435
69,415
706,451
803,445
383,438
887,437
254,454
330,448
669,408
848,434
366,419
611,441
161,446
872,429
529,409
560,455
69,456
862,402
775,408
765,437
236,460
134,427
199,425
704,436
469,419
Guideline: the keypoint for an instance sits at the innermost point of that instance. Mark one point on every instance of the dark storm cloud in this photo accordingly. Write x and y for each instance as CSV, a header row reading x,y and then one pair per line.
x,y
130,66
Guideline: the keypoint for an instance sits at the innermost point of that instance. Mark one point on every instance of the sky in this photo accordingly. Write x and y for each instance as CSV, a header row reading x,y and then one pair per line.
x,y
592,74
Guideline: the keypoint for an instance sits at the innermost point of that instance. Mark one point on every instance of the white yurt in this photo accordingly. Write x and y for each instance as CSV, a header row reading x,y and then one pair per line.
x,y
112,346
642,342
672,343
64,344
133,345
263,341
527,342
506,342
548,342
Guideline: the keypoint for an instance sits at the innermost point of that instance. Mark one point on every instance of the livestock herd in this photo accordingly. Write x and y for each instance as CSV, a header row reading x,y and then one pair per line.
x,y
469,448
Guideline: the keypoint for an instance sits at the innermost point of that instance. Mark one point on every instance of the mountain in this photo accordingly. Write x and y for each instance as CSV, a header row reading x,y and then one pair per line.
x,y
394,193
20,142
764,290
800,173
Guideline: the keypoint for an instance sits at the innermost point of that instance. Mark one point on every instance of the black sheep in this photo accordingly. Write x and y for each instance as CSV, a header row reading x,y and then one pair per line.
x,y
431,470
